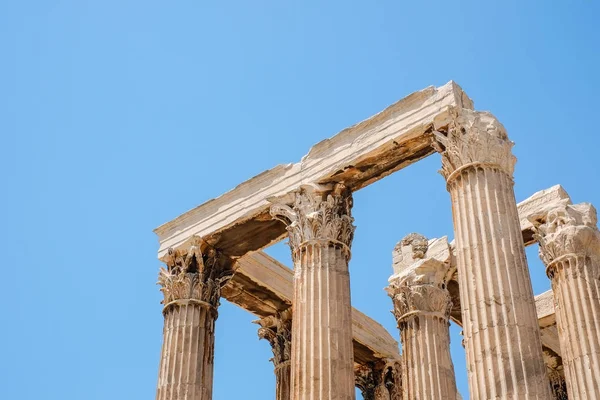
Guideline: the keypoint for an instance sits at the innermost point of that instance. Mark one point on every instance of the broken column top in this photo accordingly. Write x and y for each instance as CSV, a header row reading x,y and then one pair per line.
x,y
422,260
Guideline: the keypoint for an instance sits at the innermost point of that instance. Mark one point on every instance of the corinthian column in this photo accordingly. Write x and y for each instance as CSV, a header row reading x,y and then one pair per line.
x,y
502,339
191,285
320,233
570,247
278,331
422,308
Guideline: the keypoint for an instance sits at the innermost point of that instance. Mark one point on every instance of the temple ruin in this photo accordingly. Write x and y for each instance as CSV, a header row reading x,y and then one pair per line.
x,y
517,345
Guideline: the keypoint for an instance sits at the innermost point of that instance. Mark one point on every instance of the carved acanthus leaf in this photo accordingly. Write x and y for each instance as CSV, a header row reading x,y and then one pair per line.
x,y
318,217
414,299
567,230
277,330
192,274
474,137
369,379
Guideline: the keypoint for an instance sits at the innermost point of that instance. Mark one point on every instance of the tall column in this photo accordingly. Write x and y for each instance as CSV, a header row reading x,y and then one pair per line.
x,y
570,247
502,339
278,331
191,285
422,308
320,234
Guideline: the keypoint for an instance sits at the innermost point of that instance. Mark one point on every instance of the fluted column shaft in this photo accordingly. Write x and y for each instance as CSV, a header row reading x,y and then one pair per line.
x,y
191,286
570,248
501,333
186,366
322,352
422,313
576,284
320,232
283,373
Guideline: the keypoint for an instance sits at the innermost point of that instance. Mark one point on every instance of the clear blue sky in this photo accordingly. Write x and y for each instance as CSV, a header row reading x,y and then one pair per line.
x,y
117,116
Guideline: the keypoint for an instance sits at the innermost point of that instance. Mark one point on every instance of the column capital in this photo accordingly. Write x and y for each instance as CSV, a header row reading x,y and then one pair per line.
x,y
474,139
318,215
423,269
277,330
567,231
370,379
367,378
195,273
414,300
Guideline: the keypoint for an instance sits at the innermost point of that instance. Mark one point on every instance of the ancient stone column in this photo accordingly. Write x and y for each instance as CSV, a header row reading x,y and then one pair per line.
x,y
502,339
278,331
320,234
570,247
191,285
422,308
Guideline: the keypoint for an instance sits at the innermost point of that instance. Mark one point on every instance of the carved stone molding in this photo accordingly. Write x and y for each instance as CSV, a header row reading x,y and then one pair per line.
x,y
277,330
318,217
368,378
567,231
474,138
423,272
380,380
418,299
194,274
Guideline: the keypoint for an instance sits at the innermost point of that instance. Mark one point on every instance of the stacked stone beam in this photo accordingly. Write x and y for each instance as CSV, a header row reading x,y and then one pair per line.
x,y
501,332
191,286
570,248
320,230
